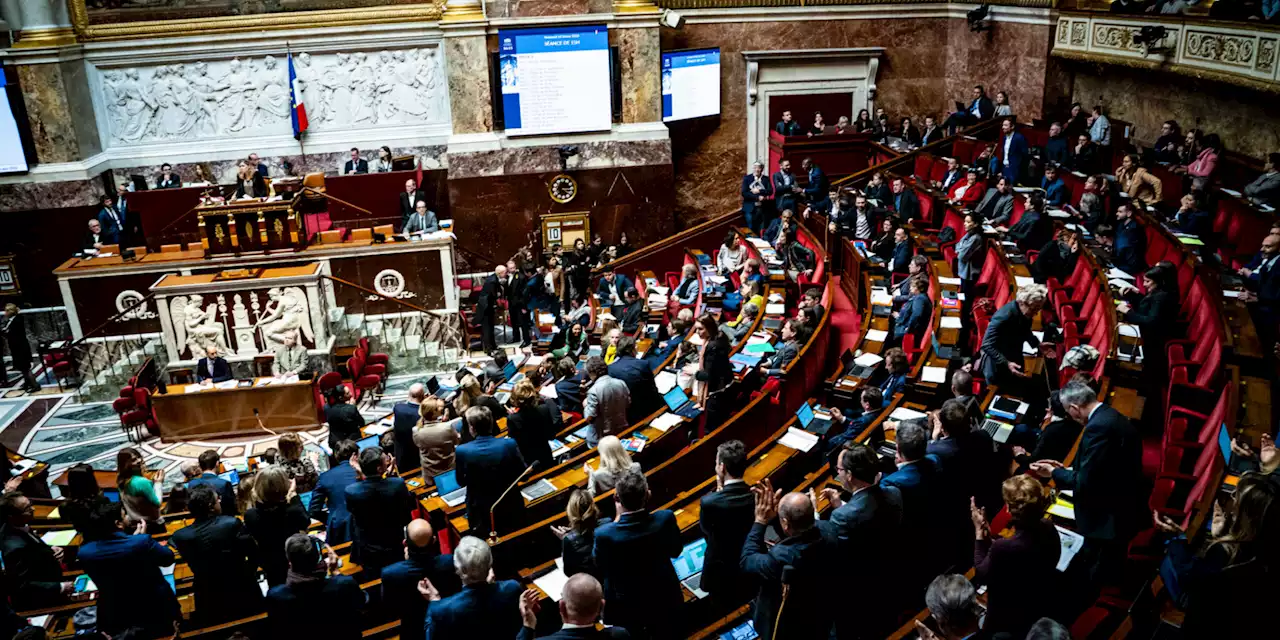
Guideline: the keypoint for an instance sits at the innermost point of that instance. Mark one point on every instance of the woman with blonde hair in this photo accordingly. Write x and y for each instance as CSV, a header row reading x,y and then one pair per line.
x,y
531,425
436,438
301,470
612,336
140,495
578,539
614,460
470,394
1008,565
277,515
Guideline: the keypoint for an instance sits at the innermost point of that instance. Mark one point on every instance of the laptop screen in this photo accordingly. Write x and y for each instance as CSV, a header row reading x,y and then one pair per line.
x,y
433,385
690,560
231,476
365,443
447,482
509,370
1224,443
805,414
675,398
306,499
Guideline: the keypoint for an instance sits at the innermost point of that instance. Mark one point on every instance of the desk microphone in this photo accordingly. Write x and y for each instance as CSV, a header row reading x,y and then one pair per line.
x,y
787,573
493,527
262,426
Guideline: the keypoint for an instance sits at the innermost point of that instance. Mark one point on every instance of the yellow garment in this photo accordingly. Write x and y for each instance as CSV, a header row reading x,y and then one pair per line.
x,y
757,300
611,354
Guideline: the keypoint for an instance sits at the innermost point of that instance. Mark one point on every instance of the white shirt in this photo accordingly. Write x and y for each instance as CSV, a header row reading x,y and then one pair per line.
x,y
1007,141
975,110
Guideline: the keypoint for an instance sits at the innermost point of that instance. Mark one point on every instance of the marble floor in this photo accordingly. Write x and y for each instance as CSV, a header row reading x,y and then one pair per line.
x,y
51,426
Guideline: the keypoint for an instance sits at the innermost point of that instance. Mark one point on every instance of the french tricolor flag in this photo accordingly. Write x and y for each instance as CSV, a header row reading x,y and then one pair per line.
x,y
299,111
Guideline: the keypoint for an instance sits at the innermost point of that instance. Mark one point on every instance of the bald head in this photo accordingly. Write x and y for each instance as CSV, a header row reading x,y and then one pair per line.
x,y
582,600
419,534
796,513
417,392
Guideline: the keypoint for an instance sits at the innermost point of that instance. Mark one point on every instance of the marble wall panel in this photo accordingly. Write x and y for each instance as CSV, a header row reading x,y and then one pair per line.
x,y
80,106
532,8
27,196
641,61
468,63
1248,122
591,155
53,129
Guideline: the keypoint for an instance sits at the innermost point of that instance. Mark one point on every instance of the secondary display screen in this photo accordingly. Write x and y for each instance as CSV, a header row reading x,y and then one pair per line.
x,y
555,79
690,84
13,157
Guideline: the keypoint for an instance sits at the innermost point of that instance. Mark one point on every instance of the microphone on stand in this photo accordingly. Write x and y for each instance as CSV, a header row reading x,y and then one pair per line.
x,y
260,425
493,527
787,574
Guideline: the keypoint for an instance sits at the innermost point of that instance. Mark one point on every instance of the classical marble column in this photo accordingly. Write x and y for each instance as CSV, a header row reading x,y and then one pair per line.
x,y
467,59
45,23
640,58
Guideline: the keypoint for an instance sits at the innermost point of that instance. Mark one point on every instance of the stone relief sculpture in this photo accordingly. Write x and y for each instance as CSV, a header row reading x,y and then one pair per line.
x,y
196,326
286,314
244,97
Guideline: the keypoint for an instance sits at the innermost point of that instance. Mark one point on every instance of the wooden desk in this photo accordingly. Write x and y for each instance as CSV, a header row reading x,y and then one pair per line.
x,y
219,412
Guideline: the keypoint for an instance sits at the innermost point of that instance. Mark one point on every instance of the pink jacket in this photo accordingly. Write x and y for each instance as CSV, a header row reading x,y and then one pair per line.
x,y
1204,163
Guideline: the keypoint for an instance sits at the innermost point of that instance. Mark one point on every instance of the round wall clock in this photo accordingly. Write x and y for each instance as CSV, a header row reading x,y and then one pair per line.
x,y
563,188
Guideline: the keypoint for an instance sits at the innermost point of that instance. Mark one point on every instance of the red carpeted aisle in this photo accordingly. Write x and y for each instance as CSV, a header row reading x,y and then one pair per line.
x,y
846,320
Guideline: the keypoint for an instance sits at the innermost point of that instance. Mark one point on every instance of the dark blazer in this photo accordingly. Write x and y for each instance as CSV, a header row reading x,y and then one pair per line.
x,y
400,588
33,574
1003,341
224,560
1055,193
360,166
749,202
906,204
788,128
532,428
380,508
718,373
295,611
486,466
915,316
259,187
1032,231
344,421
91,240
173,181
1155,315
1057,151
633,316
1017,155
1008,566
924,515
1107,477
816,193
638,377
569,393
270,526
408,204
581,633
226,492
1196,223
786,352
881,193
659,353
901,257
810,609
930,136
490,610
620,285
406,452
633,554
783,197
1130,251
221,370
112,233
871,519
726,517
995,208
577,549
487,302
969,466
986,108
1055,441
331,492
131,590
1085,160
951,177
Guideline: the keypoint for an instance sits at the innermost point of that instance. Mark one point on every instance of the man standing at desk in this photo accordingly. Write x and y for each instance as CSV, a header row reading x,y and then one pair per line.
x,y
212,367
491,292
356,164
290,358
408,200
14,329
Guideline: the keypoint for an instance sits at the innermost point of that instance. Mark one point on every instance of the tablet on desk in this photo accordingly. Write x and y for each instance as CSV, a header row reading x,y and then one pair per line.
x,y
365,443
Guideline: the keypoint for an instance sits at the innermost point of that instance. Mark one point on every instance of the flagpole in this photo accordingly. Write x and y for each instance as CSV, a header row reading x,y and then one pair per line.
x,y
293,108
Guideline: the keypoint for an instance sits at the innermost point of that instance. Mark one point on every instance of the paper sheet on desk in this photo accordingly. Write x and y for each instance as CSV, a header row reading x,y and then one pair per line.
x,y
665,380
902,413
195,388
936,375
877,335
1228,293
376,429
799,439
228,384
775,309
552,583
1129,330
1116,273
1058,213
548,391
665,421
59,538
950,322
1071,543
660,289
881,297
945,280
1063,509
868,360
1231,192
1023,281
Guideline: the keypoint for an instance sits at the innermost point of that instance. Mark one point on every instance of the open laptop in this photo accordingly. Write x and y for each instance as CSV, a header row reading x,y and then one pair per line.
x,y
999,431
365,443
810,422
680,404
433,385
689,566
447,486
231,476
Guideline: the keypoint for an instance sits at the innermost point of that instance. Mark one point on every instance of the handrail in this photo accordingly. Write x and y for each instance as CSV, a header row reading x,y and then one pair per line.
x,y
325,195
677,239
143,300
189,211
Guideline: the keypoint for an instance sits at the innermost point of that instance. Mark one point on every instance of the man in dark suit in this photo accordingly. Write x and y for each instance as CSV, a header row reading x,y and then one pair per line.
x,y
212,367
756,190
962,390
902,291
409,199
726,516
258,165
638,377
482,609
1057,150
969,468
356,164
1106,479
918,481
132,591
1191,219
906,204
980,108
817,192
901,261
612,290
209,477
996,206
1129,251
784,188
422,220
487,466
786,352
380,508
569,393
93,236
676,332
32,568
400,580
14,329
955,173
319,602
1055,191
1011,150
931,132
803,557
1010,326
916,313
167,178
405,416
787,126
112,221
633,314
580,605
222,556
491,292
633,554
812,299
869,519
331,492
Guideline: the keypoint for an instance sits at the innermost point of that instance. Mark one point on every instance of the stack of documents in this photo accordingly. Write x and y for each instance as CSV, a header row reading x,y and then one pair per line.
x,y
799,439
902,413
665,421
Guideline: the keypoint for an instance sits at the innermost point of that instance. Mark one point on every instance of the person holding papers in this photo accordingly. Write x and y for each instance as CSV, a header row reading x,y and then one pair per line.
x,y
212,368
756,190
1155,314
290,358
1011,566
916,312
